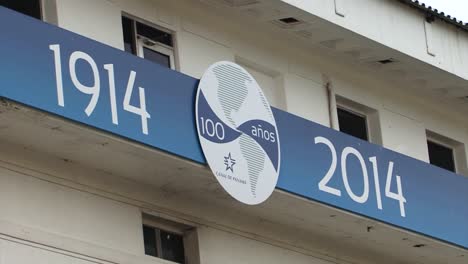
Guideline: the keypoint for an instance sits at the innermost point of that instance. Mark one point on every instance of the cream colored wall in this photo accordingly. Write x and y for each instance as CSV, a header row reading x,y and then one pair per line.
x,y
91,18
236,249
27,201
392,23
46,223
21,252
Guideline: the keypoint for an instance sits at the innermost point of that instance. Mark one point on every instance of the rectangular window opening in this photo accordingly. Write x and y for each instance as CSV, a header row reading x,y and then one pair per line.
x,y
447,153
30,8
358,120
441,156
352,123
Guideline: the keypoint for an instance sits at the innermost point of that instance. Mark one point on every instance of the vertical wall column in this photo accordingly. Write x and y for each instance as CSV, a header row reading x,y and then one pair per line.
x,y
97,19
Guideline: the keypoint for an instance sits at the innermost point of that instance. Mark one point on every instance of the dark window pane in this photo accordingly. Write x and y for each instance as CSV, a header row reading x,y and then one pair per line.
x,y
172,247
352,124
149,237
129,35
441,156
154,34
28,7
157,57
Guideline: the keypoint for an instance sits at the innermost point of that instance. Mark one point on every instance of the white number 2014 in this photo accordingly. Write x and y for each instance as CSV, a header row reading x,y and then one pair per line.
x,y
95,89
347,151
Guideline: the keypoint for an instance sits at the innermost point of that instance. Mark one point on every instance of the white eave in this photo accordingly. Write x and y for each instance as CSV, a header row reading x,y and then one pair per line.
x,y
426,58
399,27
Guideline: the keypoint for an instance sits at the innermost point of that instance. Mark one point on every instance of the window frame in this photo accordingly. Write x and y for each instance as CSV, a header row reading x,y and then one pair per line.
x,y
436,142
142,42
187,230
458,150
139,41
41,10
359,114
371,116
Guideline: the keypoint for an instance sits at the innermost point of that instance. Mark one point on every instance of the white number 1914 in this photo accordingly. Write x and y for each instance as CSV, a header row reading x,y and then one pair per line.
x,y
94,90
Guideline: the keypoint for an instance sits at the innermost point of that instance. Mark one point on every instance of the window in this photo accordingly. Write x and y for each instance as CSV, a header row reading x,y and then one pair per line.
x,y
170,240
164,244
446,153
28,7
151,43
352,123
358,120
441,156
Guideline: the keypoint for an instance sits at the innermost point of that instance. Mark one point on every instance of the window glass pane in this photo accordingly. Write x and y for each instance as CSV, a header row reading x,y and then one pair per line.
x,y
157,57
28,7
129,42
172,247
352,124
149,237
154,34
441,156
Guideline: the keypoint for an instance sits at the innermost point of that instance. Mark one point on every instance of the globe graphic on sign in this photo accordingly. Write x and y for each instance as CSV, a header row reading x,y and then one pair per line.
x,y
231,101
237,132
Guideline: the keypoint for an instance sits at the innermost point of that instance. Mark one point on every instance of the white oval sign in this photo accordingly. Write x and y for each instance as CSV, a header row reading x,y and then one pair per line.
x,y
237,132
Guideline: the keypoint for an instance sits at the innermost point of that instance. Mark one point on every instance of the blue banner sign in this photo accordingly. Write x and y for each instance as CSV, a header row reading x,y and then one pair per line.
x,y
62,73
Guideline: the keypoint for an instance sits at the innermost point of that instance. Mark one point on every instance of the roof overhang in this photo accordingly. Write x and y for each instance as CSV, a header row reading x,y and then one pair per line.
x,y
342,33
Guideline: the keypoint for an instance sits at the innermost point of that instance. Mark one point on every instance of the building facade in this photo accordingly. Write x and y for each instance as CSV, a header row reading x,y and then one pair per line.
x,y
392,73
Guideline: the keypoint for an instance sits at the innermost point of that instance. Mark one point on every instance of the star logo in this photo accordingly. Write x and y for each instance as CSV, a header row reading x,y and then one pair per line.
x,y
229,162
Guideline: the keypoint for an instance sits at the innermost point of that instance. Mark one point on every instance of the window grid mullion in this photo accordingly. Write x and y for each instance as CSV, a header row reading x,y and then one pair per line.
x,y
134,38
159,252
